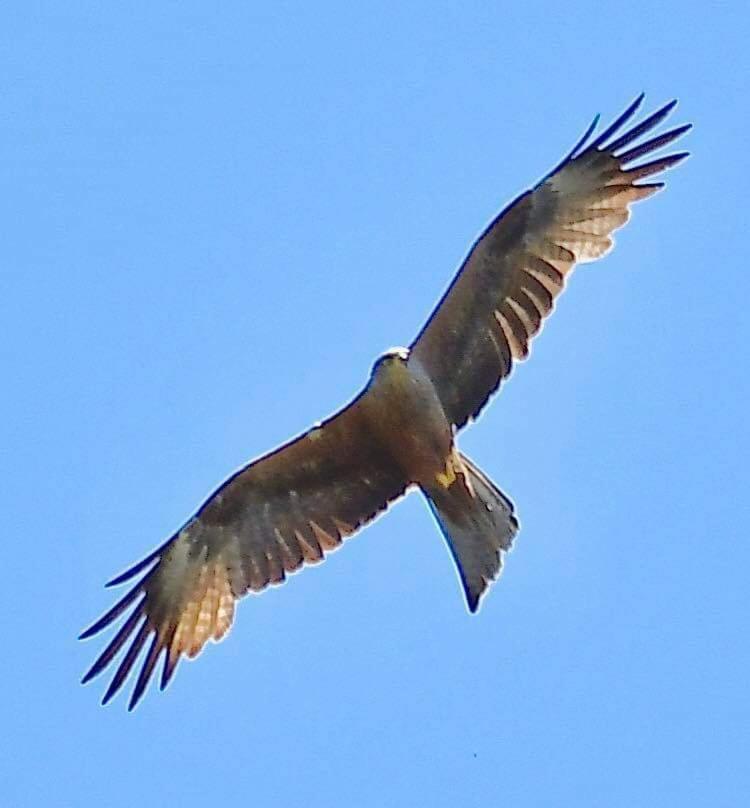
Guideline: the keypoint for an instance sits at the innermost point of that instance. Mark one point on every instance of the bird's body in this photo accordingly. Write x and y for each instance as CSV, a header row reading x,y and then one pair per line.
x,y
299,501
403,410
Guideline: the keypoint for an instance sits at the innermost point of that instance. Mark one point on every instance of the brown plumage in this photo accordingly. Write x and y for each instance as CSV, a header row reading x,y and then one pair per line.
x,y
299,501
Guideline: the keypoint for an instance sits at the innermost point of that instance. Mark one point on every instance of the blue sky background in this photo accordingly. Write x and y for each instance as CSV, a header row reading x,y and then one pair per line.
x,y
214,217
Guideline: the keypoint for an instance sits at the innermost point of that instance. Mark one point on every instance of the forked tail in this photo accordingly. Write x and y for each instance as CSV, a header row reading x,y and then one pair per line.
x,y
478,523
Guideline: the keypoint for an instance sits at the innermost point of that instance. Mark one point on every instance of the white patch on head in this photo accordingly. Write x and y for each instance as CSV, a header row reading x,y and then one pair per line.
x,y
316,433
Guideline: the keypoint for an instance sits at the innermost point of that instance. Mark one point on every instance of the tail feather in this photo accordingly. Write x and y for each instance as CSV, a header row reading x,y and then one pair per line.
x,y
478,523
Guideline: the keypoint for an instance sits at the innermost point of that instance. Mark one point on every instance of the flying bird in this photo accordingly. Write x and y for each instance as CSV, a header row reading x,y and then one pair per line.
x,y
290,506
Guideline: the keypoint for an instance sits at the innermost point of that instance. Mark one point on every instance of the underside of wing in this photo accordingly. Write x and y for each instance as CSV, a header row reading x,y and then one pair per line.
x,y
267,520
509,281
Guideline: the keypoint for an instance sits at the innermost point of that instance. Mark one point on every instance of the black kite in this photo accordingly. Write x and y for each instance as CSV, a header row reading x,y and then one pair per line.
x,y
398,434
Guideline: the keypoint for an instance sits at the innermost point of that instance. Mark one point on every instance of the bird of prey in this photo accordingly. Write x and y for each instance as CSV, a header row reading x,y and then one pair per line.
x,y
398,434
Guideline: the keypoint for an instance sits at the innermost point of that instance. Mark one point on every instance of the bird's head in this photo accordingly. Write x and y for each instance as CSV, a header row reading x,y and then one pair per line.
x,y
387,361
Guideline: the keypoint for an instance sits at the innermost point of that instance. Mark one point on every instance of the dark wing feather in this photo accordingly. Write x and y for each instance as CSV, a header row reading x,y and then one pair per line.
x,y
269,518
509,281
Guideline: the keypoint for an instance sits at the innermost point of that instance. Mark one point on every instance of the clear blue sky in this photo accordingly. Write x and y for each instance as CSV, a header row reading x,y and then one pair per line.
x,y
214,217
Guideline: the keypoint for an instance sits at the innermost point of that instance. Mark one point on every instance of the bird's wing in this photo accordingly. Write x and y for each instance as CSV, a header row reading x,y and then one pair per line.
x,y
509,281
278,512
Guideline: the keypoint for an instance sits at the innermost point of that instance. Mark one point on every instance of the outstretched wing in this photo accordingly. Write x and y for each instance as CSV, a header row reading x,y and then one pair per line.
x,y
278,512
509,281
